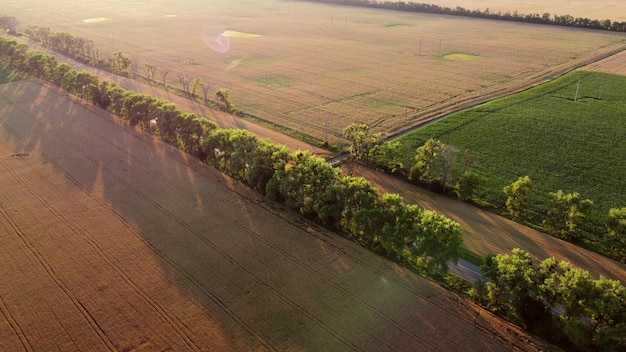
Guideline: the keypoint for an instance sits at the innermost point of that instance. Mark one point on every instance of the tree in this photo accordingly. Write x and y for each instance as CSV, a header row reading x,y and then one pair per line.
x,y
197,82
206,89
9,23
268,158
512,289
184,82
231,150
448,157
615,240
358,194
150,70
607,314
392,155
566,212
192,132
363,141
438,241
303,182
164,73
168,120
517,196
120,63
467,185
222,97
398,227
425,160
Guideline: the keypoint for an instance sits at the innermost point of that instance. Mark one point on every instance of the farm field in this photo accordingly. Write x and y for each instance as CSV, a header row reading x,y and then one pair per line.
x,y
615,64
113,240
560,139
316,68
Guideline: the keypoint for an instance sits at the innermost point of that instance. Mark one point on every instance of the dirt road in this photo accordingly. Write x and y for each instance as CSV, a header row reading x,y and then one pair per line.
x,y
114,241
486,233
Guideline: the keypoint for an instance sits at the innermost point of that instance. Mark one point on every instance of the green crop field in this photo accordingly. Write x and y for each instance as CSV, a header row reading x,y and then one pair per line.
x,y
317,68
561,140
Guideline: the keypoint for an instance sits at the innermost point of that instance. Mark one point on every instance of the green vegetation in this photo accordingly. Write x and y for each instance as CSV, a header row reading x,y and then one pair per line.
x,y
562,134
7,74
590,314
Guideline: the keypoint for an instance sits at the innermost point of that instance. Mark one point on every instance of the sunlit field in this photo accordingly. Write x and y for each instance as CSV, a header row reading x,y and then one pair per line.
x,y
316,68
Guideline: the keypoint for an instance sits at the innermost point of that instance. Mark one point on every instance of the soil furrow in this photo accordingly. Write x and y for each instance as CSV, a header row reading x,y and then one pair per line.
x,y
62,286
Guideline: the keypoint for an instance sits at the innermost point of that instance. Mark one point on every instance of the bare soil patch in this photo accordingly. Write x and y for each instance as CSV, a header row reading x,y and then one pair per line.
x,y
112,240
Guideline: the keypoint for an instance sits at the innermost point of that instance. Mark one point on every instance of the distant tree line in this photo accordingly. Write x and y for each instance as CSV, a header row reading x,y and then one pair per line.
x,y
85,51
544,18
302,181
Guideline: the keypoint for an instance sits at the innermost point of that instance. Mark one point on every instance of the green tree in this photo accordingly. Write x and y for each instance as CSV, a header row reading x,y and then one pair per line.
x,y
438,240
615,240
192,131
358,194
232,150
120,63
517,196
565,214
302,183
222,97
169,120
426,159
607,314
399,225
363,141
512,283
268,158
466,185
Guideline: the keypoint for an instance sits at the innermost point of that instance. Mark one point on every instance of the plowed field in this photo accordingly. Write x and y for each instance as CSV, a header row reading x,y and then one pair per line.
x,y
112,240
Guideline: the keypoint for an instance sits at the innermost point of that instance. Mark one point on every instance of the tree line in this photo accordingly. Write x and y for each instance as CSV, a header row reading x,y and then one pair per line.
x,y
551,298
544,18
446,169
301,180
566,212
85,51
555,300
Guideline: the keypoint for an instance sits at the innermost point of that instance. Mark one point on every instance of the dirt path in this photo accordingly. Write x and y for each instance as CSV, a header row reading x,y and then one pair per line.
x,y
112,240
486,233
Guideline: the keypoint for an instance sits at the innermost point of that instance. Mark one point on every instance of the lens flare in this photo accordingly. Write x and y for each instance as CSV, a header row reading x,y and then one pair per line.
x,y
212,37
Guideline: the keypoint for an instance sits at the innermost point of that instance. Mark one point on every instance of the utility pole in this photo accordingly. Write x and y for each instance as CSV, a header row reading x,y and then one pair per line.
x,y
577,87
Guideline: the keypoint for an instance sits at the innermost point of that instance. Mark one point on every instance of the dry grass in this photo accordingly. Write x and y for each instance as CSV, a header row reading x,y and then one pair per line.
x,y
318,68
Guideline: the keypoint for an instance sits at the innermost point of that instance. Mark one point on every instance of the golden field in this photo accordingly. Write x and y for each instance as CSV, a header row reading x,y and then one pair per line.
x,y
316,68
